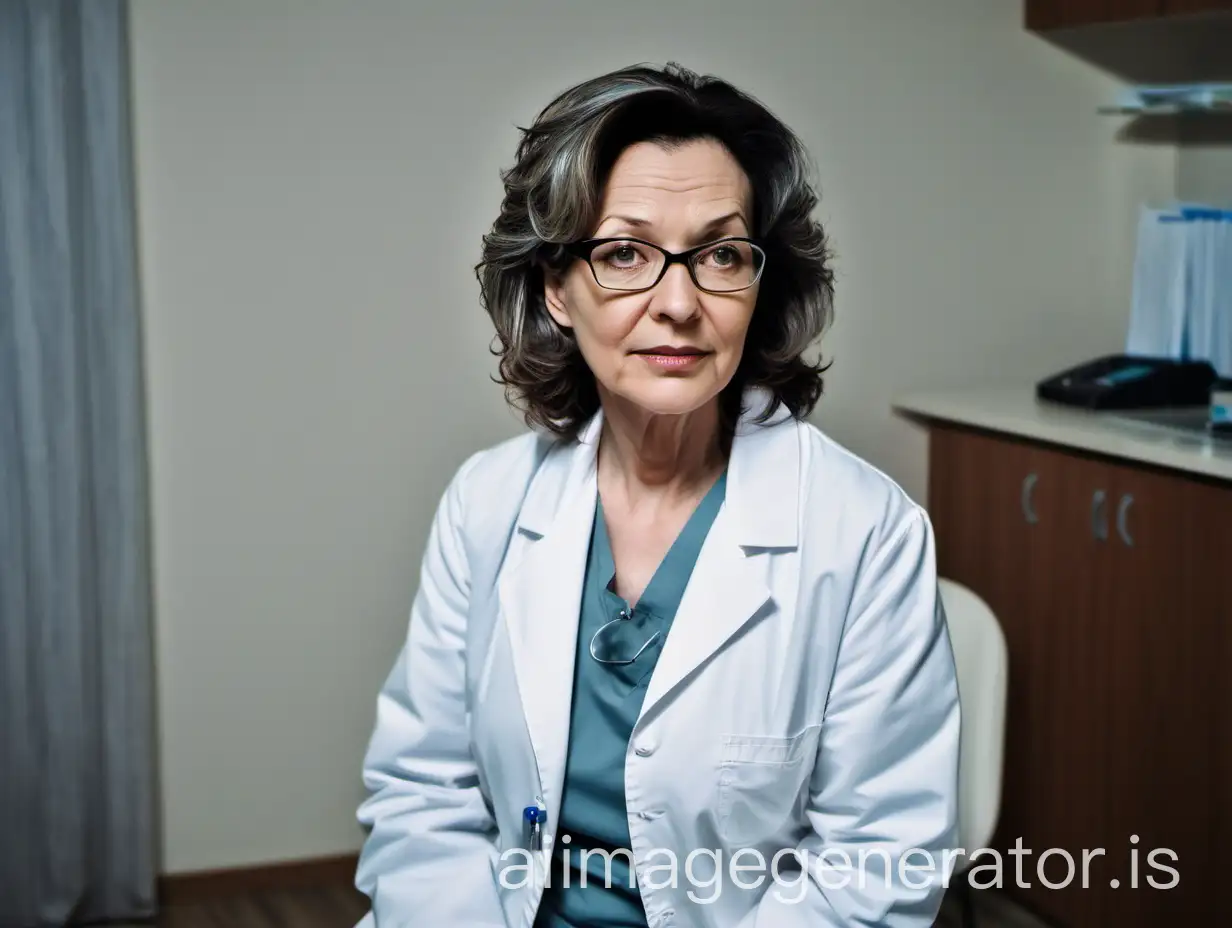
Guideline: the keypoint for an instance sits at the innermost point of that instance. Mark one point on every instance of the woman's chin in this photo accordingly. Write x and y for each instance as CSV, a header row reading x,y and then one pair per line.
x,y
674,397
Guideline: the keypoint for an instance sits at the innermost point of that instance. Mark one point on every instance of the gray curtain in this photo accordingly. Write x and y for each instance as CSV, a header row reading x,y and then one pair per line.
x,y
77,789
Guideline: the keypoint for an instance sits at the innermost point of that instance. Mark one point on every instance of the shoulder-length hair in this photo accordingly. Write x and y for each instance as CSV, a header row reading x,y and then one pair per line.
x,y
552,197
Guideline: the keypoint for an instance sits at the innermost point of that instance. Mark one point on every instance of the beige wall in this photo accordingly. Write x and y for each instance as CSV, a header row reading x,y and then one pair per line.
x,y
1204,173
314,179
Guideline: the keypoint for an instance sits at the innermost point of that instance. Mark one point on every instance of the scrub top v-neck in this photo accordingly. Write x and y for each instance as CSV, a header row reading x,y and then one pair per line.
x,y
607,699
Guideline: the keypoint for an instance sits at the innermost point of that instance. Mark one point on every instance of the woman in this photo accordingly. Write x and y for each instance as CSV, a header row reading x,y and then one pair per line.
x,y
676,657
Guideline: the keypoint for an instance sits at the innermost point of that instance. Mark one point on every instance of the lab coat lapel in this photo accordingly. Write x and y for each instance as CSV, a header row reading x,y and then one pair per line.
x,y
726,590
729,586
540,599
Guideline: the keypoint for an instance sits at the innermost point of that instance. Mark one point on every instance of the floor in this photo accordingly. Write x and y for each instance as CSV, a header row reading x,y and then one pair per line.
x,y
341,907
992,910
326,907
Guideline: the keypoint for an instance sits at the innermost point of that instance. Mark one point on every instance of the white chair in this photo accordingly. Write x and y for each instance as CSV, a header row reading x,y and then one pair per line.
x,y
982,661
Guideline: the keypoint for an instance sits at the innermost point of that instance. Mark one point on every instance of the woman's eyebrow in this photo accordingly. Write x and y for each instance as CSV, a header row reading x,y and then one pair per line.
x,y
721,221
638,222
634,221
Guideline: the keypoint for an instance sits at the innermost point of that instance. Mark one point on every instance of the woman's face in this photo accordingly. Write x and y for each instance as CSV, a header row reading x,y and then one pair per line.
x,y
669,350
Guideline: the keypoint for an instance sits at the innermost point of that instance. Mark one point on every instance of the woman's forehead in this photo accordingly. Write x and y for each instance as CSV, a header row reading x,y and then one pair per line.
x,y
690,187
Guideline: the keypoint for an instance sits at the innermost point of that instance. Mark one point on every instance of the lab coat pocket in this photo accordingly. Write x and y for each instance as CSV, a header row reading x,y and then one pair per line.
x,y
761,780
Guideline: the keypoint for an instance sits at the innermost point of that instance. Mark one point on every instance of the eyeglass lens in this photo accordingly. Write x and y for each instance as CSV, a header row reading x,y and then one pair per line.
x,y
623,639
630,265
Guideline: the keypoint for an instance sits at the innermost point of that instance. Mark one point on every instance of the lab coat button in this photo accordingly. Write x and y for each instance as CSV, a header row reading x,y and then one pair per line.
x,y
645,749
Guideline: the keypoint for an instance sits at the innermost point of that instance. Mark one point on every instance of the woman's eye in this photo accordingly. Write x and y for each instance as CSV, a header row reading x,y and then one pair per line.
x,y
724,256
620,254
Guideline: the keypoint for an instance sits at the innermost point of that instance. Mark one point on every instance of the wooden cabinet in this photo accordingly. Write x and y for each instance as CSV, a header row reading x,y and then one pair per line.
x,y
1112,585
1059,14
1162,685
1141,41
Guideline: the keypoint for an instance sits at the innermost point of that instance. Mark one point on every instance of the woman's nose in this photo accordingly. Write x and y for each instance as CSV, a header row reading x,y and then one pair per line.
x,y
676,298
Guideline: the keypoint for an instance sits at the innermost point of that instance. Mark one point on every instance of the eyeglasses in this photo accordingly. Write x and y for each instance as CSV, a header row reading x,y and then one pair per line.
x,y
622,640
632,265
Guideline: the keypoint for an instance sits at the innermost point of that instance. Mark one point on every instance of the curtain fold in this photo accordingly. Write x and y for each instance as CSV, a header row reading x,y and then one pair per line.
x,y
78,839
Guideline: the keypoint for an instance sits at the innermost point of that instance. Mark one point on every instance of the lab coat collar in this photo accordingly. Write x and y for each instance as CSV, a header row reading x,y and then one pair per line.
x,y
763,478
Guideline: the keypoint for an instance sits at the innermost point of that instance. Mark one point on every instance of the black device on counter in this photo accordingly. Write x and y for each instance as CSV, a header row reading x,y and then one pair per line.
x,y
1121,381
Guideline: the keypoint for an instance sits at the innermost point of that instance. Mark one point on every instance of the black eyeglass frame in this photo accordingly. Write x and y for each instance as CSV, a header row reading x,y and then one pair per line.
x,y
583,250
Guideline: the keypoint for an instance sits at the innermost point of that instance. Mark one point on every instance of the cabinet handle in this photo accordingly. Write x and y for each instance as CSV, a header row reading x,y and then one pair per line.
x,y
1123,519
1099,518
1028,498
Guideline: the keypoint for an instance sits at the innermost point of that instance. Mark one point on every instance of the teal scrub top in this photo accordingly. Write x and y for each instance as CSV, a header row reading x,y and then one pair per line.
x,y
607,699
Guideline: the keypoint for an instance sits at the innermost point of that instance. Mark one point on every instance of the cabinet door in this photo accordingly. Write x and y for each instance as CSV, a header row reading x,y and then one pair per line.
x,y
983,498
1208,605
1060,788
1156,669
1057,14
1012,523
991,501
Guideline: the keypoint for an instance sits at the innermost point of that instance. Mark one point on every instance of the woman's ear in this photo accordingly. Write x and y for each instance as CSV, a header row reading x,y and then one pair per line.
x,y
554,299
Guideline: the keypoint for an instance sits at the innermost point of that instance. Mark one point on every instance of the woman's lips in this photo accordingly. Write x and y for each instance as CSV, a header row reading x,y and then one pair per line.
x,y
672,359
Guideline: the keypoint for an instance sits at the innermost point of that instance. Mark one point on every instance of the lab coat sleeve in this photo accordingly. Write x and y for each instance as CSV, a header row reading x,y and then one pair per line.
x,y
884,793
430,854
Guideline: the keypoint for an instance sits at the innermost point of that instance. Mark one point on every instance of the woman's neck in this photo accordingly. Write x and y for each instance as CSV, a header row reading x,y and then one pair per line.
x,y
646,456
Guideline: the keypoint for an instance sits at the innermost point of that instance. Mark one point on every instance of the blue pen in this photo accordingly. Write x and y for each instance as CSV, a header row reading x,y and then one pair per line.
x,y
533,819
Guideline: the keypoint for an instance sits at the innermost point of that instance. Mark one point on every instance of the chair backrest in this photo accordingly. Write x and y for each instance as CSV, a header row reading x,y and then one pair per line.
x,y
982,661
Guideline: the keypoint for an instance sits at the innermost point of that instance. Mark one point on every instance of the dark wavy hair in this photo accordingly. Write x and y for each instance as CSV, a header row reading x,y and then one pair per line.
x,y
552,197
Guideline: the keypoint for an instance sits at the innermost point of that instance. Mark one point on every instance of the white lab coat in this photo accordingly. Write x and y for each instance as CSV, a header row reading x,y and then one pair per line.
x,y
805,698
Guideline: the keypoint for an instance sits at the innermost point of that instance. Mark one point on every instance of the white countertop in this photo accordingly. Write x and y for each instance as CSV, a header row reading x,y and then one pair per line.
x,y
1015,410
